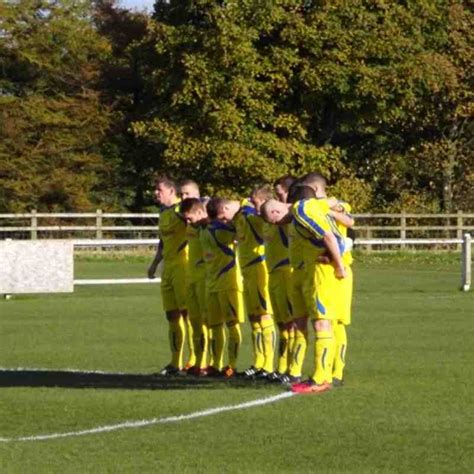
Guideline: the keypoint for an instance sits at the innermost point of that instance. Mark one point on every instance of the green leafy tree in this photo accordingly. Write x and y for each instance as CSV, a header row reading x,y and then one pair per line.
x,y
219,111
52,121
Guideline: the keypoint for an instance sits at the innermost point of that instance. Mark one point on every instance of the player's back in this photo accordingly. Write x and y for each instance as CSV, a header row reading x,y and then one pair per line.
x,y
276,246
196,267
249,234
312,220
218,247
172,232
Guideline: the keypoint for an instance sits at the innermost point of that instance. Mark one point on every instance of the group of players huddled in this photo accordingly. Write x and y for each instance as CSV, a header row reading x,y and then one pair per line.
x,y
282,257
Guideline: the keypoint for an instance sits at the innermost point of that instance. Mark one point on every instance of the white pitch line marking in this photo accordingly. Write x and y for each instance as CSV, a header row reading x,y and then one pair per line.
x,y
153,421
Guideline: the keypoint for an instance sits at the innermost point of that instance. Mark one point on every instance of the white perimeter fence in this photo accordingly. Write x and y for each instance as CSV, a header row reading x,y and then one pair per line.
x,y
465,244
103,225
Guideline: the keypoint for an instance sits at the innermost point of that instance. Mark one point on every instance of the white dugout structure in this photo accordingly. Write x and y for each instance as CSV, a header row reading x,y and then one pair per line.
x,y
46,266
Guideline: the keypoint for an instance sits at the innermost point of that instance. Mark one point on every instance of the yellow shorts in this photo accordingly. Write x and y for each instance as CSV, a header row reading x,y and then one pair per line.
x,y
333,295
173,287
310,289
297,295
344,302
196,300
225,306
256,294
279,288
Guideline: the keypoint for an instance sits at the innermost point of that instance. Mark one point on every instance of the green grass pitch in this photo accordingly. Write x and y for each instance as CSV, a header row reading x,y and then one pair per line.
x,y
406,407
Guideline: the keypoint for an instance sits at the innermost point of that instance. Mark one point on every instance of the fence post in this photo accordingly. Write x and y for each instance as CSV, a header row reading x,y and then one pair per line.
x,y
98,224
34,225
403,228
466,263
459,224
368,248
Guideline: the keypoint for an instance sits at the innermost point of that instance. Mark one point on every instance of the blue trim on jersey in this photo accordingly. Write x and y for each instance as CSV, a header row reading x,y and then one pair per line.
x,y
281,263
217,225
225,269
258,259
312,224
263,303
320,307
254,232
182,246
316,242
248,210
227,250
283,236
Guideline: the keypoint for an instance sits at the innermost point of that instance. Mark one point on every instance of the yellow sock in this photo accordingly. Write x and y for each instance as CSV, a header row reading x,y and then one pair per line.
x,y
190,336
258,357
200,345
176,334
340,353
210,345
299,352
283,350
291,346
325,346
268,336
218,344
235,340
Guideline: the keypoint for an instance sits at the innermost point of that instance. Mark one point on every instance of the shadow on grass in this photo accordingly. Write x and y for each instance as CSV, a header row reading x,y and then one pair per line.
x,y
73,379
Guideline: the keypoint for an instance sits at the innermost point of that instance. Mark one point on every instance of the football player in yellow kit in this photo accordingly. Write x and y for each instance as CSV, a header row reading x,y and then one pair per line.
x,y
315,216
318,183
172,249
224,285
279,274
251,251
195,291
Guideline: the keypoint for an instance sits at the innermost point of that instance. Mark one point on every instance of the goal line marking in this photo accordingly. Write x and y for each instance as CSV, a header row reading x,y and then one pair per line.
x,y
152,421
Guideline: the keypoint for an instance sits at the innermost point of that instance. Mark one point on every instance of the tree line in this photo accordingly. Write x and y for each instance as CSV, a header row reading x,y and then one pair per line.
x,y
96,99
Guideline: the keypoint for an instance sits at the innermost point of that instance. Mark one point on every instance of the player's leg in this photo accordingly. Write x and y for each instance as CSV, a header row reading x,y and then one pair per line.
x,y
340,333
218,337
179,281
278,288
300,325
256,329
263,329
176,328
340,336
233,301
324,344
263,308
193,327
202,343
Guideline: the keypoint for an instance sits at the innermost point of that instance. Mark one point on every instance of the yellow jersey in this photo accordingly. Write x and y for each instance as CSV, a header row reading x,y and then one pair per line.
x,y
172,234
312,221
276,246
196,268
347,208
218,247
249,234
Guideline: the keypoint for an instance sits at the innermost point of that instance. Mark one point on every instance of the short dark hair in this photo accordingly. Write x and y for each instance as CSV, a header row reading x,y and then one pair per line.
x,y
285,182
167,181
190,205
214,205
299,192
